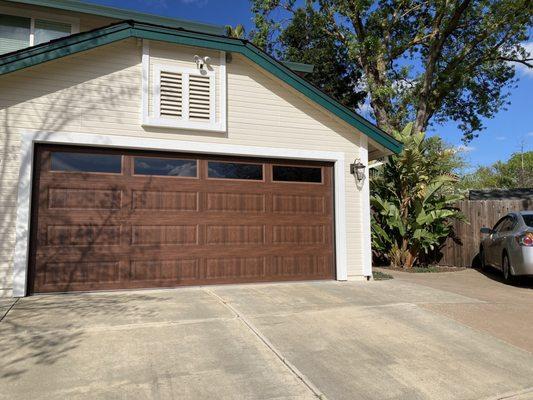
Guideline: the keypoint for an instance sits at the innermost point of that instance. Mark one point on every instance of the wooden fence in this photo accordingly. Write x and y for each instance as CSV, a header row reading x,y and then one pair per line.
x,y
462,251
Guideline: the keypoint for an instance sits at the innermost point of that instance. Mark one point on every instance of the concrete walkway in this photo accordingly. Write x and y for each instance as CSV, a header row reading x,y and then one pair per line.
x,y
365,340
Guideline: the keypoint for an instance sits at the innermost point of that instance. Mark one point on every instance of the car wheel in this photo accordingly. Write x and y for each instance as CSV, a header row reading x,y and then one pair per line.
x,y
506,268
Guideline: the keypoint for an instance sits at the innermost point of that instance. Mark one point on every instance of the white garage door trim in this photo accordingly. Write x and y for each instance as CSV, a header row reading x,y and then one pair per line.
x,y
29,140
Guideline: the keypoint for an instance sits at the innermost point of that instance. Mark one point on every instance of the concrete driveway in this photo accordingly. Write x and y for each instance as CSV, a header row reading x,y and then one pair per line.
x,y
396,339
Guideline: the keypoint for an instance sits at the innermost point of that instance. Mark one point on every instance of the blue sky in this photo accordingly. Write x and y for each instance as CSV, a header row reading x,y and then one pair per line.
x,y
505,133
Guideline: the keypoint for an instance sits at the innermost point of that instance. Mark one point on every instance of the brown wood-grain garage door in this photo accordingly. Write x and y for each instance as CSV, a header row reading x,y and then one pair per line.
x,y
110,219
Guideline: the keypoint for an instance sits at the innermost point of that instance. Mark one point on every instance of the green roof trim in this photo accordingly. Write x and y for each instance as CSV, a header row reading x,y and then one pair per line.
x,y
299,67
88,40
122,14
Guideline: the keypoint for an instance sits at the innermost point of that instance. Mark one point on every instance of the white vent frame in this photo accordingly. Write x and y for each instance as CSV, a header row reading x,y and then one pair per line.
x,y
216,123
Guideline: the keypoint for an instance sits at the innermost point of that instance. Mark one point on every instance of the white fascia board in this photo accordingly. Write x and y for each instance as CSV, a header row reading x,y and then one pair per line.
x,y
29,140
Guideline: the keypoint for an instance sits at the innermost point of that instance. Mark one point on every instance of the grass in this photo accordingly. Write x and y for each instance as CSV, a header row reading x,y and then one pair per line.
x,y
426,269
380,276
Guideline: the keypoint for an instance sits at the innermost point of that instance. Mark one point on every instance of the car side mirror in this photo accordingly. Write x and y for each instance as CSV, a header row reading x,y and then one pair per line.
x,y
486,231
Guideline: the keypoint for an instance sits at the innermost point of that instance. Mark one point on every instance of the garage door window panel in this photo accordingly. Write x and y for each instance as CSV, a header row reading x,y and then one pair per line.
x,y
234,171
288,173
170,167
85,162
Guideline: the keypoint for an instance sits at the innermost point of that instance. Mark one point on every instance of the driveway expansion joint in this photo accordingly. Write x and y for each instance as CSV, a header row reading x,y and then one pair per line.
x,y
291,367
512,395
9,309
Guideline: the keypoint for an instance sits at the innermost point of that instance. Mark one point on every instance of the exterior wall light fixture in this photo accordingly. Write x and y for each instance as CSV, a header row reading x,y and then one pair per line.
x,y
358,169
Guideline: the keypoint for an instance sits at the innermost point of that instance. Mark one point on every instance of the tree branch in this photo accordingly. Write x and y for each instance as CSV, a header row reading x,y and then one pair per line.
x,y
435,51
523,61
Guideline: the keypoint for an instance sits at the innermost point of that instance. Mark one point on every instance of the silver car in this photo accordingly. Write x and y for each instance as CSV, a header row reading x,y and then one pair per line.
x,y
509,245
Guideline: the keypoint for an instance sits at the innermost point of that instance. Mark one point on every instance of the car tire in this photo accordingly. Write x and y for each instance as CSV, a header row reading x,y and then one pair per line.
x,y
482,264
506,269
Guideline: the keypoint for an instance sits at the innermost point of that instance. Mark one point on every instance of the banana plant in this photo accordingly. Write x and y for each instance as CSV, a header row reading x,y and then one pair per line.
x,y
413,201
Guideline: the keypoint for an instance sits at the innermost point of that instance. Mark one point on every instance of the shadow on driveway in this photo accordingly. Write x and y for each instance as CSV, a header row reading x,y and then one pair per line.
x,y
41,330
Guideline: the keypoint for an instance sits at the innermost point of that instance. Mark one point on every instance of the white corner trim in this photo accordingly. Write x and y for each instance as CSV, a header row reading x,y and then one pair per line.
x,y
223,93
341,254
365,210
22,226
28,141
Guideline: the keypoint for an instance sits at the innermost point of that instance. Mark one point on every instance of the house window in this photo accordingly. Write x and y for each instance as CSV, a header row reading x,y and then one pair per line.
x,y
50,30
14,33
184,97
21,31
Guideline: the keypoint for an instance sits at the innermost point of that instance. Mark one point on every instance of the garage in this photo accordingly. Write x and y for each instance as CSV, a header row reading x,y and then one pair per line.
x,y
112,219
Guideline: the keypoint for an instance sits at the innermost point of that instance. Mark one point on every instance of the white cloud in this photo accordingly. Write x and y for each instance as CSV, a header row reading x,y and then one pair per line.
x,y
529,134
521,68
465,149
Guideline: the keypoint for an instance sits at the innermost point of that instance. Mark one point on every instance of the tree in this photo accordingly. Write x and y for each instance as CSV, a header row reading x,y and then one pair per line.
x,y
423,61
238,32
517,172
334,73
412,197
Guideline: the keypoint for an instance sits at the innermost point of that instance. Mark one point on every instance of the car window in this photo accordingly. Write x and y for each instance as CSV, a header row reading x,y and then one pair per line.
x,y
507,224
528,220
498,225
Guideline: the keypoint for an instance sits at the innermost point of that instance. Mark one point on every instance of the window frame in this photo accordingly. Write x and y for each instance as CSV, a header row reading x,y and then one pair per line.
x,y
298,166
133,173
34,15
183,121
148,118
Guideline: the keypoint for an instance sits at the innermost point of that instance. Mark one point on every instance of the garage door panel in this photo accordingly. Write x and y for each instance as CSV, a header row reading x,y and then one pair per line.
x,y
83,198
145,199
98,231
164,270
235,202
301,265
80,235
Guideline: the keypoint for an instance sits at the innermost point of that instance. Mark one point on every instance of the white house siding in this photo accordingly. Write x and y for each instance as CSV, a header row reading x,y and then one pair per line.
x,y
99,91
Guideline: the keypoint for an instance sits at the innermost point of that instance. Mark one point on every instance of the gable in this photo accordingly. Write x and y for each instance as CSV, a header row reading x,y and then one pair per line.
x,y
99,37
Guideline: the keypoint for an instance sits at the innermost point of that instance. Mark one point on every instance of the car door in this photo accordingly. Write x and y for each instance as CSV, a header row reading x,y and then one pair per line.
x,y
489,242
501,230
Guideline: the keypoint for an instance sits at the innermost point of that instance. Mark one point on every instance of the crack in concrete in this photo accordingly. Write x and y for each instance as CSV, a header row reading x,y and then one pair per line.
x,y
9,309
290,366
511,395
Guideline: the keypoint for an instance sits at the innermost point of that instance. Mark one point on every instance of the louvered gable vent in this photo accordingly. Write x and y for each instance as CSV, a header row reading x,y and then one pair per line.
x,y
185,98
171,95
199,98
